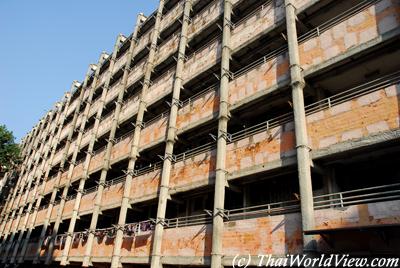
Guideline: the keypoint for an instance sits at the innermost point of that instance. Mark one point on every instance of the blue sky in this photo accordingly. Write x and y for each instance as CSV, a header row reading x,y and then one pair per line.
x,y
46,44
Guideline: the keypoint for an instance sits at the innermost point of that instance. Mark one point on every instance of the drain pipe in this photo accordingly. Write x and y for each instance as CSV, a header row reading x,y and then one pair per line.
x,y
170,140
223,136
303,149
106,163
36,259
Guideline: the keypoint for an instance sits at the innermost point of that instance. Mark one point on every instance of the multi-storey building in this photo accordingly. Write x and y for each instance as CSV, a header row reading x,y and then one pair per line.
x,y
218,128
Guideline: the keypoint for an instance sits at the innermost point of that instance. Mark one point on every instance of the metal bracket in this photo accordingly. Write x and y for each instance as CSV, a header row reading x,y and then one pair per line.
x,y
101,183
230,74
209,212
170,157
176,102
229,23
226,136
135,39
119,102
119,227
213,136
147,82
113,141
217,76
162,222
130,172
222,212
81,191
91,231
141,124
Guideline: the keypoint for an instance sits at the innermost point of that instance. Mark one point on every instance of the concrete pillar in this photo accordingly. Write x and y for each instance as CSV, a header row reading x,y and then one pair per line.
x,y
26,194
106,163
170,140
60,123
124,82
220,172
72,165
36,190
303,149
81,186
74,86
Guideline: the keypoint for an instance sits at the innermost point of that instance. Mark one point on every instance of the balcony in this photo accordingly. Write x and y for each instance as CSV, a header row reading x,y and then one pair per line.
x,y
41,216
203,19
137,72
120,62
143,42
105,124
49,184
167,48
172,15
65,130
113,91
95,106
72,107
273,228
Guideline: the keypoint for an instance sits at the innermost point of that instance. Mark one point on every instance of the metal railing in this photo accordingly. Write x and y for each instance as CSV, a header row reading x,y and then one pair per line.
x,y
337,19
284,119
267,4
342,199
188,221
358,196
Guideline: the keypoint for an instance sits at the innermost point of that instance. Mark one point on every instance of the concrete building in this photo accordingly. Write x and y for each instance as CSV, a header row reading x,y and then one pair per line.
x,y
218,128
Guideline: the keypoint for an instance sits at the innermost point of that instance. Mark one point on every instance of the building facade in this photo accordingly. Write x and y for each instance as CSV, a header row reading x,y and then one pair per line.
x,y
220,128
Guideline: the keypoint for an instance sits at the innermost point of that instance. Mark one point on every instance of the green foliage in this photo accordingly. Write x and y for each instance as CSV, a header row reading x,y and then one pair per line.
x,y
9,150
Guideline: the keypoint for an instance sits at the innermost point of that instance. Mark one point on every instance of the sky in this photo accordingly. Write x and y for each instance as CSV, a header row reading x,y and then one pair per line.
x,y
46,44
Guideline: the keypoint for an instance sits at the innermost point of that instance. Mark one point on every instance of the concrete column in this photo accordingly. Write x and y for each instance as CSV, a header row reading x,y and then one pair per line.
x,y
56,137
220,172
81,186
106,163
303,149
26,195
170,140
36,190
74,86
72,165
64,258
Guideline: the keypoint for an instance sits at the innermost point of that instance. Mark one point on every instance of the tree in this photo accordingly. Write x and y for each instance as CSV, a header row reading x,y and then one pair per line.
x,y
9,150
